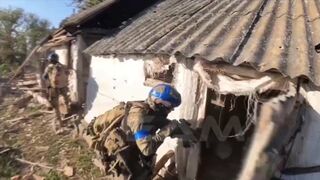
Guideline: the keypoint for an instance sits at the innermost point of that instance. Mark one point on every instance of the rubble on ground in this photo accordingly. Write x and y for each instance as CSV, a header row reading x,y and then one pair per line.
x,y
30,150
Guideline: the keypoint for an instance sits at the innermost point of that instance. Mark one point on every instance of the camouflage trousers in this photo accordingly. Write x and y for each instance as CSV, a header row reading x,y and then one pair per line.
x,y
59,100
125,160
130,167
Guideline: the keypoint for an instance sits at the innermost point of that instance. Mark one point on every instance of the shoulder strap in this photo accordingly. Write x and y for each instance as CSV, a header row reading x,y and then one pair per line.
x,y
124,123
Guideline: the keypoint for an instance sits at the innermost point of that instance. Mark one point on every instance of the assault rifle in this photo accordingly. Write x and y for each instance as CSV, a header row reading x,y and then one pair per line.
x,y
188,135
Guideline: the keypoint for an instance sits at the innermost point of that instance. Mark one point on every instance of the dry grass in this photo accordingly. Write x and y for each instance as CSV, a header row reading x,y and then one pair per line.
x,y
35,141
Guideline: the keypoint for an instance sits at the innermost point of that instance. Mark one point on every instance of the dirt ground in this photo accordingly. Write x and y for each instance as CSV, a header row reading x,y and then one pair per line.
x,y
33,140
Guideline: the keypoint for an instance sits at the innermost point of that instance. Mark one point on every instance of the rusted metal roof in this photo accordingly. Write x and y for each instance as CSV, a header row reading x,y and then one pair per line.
x,y
273,35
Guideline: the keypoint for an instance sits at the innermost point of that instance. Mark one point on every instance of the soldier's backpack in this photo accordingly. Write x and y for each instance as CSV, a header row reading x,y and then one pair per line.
x,y
100,127
112,139
58,76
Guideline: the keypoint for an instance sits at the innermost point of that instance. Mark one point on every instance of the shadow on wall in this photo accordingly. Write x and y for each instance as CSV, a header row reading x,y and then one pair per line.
x,y
306,147
92,91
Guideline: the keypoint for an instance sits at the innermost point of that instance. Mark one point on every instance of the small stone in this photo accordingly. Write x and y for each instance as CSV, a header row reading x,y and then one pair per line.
x,y
61,131
64,162
21,110
32,105
27,176
42,148
98,164
36,177
68,171
16,177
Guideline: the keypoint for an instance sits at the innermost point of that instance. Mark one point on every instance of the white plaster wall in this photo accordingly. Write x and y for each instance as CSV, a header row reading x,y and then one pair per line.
x,y
307,145
76,70
112,81
73,80
62,52
186,82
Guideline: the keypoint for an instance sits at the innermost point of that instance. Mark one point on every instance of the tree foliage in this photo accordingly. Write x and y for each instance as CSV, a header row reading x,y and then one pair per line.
x,y
19,34
85,4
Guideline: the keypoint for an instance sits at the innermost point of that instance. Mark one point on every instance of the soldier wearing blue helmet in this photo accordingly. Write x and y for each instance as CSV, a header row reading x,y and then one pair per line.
x,y
56,77
142,130
162,100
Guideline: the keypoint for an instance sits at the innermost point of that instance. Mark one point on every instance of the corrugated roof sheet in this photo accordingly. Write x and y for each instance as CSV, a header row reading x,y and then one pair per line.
x,y
85,15
268,34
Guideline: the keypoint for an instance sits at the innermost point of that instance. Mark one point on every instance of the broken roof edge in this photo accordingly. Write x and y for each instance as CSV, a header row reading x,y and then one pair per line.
x,y
87,14
266,48
219,60
57,38
91,50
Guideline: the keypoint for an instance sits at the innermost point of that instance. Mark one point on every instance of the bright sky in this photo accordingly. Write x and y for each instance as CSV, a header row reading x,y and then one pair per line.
x,y
52,10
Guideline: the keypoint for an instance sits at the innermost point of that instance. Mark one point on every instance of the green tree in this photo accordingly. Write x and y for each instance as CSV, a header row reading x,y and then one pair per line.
x,y
63,21
36,29
10,21
85,4
19,34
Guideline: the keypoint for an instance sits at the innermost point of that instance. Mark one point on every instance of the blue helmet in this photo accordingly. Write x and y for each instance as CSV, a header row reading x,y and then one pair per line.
x,y
166,95
53,58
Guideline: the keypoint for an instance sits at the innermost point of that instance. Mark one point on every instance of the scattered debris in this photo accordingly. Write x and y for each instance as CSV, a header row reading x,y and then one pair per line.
x,y
36,177
60,131
31,89
25,129
5,150
26,83
47,112
17,177
70,117
68,171
39,98
99,164
27,176
31,115
42,148
17,119
22,102
38,164
153,82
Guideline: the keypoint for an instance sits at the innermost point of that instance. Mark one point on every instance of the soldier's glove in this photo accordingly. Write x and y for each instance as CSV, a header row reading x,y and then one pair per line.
x,y
167,131
183,128
188,135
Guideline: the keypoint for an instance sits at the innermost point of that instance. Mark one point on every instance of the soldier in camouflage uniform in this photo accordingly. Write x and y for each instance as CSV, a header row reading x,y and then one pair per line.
x,y
56,76
142,131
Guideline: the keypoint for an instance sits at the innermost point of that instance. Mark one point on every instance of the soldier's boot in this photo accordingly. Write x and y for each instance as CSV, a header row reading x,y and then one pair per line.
x,y
57,121
132,163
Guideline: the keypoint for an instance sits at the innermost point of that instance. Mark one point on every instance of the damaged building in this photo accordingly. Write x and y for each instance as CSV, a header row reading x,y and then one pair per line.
x,y
77,33
248,73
